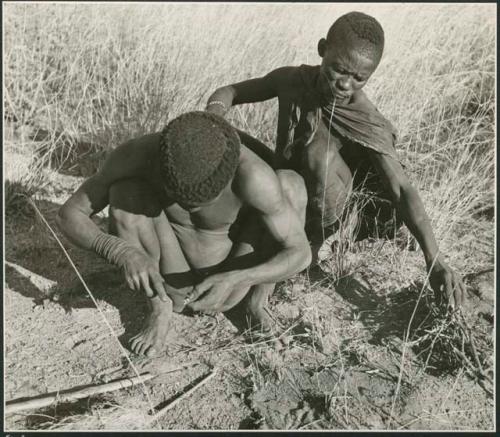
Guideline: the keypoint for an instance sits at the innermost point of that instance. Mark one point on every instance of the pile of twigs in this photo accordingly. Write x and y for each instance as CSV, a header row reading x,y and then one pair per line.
x,y
448,344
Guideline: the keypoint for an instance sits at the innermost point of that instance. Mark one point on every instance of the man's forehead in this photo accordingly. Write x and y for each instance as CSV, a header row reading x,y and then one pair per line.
x,y
357,53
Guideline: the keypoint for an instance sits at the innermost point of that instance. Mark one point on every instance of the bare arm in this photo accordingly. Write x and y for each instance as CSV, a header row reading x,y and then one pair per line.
x,y
260,189
74,218
248,91
409,204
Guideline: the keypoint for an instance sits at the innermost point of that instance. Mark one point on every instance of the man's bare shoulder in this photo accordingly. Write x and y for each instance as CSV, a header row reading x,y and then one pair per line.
x,y
256,183
142,148
286,78
137,157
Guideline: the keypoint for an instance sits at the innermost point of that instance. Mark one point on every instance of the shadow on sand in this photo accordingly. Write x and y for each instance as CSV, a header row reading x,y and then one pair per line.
x,y
409,314
30,245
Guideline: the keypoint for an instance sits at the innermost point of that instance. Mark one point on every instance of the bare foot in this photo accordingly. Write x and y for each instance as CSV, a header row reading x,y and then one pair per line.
x,y
263,327
152,338
258,317
259,320
251,314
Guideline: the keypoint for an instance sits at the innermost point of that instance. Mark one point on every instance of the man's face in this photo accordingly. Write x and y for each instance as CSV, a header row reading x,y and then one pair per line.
x,y
344,69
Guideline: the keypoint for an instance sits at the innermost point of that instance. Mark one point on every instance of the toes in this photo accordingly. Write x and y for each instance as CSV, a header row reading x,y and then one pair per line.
x,y
152,352
133,343
137,347
143,348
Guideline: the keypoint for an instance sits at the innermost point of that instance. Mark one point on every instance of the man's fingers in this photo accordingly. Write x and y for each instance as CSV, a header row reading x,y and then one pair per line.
x,y
159,285
197,306
202,305
134,282
145,285
197,291
130,283
458,291
464,294
448,284
207,303
458,296
463,291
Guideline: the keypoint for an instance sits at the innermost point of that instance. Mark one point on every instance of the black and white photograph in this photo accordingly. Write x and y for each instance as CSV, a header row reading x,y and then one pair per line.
x,y
249,216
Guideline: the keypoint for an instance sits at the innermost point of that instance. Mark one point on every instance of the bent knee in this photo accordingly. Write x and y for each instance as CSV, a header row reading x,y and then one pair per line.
x,y
134,196
294,188
127,205
316,158
125,221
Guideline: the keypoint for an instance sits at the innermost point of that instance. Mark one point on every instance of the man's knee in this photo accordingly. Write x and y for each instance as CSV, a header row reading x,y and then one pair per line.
x,y
318,159
294,188
129,218
124,222
136,197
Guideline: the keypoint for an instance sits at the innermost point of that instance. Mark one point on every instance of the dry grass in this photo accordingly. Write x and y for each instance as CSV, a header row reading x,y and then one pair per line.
x,y
99,74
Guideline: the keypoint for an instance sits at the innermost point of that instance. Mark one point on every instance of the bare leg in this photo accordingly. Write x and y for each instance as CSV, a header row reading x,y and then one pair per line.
x,y
137,217
254,247
329,182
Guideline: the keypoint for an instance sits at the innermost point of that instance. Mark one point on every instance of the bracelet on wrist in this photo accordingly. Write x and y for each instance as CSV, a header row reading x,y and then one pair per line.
x,y
110,247
217,102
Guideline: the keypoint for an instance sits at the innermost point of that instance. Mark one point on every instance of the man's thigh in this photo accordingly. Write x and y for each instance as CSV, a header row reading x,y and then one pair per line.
x,y
328,180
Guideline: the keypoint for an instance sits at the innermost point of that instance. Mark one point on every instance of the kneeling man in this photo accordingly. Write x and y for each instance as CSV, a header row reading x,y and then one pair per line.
x,y
197,219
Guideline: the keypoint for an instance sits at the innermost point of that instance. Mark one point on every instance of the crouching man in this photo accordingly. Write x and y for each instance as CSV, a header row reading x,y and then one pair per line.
x,y
196,219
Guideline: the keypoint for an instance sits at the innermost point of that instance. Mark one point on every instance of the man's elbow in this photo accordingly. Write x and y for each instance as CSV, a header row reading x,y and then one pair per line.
x,y
305,257
63,217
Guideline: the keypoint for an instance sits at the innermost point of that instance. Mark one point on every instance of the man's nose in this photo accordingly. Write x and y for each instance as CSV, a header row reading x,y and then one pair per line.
x,y
344,84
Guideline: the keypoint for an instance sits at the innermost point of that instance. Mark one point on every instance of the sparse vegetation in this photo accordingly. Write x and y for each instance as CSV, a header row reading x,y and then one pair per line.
x,y
364,340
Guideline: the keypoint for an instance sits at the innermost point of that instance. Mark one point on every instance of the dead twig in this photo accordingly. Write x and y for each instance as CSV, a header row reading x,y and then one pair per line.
x,y
72,394
160,413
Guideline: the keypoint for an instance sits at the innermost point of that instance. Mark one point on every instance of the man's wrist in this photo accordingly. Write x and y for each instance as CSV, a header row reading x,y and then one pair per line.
x,y
110,247
434,260
241,278
216,107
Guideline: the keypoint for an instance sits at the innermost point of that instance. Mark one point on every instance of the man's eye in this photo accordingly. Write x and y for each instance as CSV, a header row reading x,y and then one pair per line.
x,y
359,79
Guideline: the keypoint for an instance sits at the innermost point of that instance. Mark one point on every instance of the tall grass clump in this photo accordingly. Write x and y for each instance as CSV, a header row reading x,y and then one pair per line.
x,y
101,73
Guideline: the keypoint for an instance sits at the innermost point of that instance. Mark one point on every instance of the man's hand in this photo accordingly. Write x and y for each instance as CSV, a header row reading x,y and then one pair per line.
x,y
444,281
141,272
447,285
218,289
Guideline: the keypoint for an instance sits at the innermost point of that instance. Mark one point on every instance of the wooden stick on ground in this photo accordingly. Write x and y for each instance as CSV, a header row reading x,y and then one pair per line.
x,y
172,404
72,394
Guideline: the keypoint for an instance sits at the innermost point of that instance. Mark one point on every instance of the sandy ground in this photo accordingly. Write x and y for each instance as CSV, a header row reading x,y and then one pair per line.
x,y
340,367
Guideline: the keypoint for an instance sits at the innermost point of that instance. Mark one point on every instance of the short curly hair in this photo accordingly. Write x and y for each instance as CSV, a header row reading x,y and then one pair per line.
x,y
361,28
199,154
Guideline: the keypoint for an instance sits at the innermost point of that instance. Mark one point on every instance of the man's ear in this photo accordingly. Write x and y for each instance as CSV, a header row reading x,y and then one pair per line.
x,y
322,47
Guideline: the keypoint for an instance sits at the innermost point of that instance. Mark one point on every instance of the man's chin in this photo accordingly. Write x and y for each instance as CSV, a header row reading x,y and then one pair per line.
x,y
333,99
341,98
